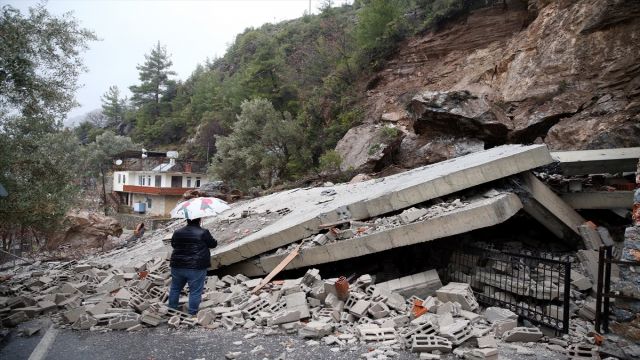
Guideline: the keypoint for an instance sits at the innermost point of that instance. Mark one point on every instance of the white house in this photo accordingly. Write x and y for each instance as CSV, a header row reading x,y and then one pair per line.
x,y
157,190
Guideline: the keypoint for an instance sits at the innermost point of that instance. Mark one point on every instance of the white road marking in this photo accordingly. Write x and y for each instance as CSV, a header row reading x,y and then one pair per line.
x,y
40,352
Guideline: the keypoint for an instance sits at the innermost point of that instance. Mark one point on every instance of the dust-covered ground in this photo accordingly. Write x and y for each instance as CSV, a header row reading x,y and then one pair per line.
x,y
199,343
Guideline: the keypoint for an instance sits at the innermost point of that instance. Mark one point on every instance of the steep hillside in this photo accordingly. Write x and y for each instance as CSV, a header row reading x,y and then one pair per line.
x,y
565,73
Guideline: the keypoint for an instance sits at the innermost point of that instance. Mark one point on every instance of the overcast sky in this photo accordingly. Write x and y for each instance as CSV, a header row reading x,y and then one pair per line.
x,y
192,31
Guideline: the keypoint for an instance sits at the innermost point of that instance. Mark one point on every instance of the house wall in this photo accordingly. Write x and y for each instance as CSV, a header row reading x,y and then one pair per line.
x,y
121,178
161,205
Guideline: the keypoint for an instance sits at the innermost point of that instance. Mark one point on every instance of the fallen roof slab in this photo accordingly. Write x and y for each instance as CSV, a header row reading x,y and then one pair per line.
x,y
549,209
599,199
586,162
477,214
309,209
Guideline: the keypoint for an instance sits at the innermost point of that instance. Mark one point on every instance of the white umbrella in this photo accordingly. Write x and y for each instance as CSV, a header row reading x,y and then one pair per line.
x,y
199,207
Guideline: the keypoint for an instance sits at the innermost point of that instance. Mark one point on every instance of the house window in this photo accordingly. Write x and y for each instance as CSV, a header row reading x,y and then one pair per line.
x,y
141,180
148,180
124,178
197,182
149,202
158,180
188,182
119,178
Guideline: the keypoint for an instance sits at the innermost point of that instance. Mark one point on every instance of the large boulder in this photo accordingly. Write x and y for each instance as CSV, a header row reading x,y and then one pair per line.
x,y
418,151
368,147
458,113
86,229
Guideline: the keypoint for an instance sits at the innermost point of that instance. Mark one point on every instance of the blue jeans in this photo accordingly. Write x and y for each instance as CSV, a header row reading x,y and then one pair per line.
x,y
195,278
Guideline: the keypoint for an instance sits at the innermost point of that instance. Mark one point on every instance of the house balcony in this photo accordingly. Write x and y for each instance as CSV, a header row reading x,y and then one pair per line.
x,y
151,190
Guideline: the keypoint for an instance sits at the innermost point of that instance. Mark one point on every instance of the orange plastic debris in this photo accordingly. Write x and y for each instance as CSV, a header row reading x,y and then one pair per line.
x,y
418,310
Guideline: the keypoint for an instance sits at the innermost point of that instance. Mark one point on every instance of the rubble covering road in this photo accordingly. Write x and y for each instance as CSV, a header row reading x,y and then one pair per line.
x,y
88,296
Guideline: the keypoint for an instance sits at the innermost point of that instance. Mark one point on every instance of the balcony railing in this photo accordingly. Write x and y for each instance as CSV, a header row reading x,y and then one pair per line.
x,y
151,190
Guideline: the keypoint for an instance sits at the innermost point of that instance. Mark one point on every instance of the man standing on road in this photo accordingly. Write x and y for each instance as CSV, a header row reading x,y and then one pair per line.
x,y
189,263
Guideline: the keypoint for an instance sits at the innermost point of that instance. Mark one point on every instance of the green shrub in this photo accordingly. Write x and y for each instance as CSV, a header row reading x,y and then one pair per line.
x,y
330,161
389,133
373,149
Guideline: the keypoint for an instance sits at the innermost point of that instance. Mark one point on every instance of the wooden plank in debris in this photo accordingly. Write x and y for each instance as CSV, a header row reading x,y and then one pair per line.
x,y
333,224
277,269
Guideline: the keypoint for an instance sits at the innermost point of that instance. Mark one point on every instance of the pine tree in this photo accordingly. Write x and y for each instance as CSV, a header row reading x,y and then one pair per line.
x,y
154,76
113,107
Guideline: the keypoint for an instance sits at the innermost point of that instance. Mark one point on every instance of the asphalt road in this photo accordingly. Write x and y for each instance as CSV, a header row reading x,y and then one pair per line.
x,y
198,344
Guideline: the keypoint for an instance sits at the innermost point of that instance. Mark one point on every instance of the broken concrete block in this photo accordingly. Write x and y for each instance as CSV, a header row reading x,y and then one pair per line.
x,y
15,319
97,309
588,310
379,310
421,284
298,302
582,283
522,334
71,316
460,293
502,326
497,314
359,309
590,236
124,321
487,342
412,214
429,343
458,332
482,354
285,316
315,330
582,351
426,328
151,318
85,322
174,321
376,334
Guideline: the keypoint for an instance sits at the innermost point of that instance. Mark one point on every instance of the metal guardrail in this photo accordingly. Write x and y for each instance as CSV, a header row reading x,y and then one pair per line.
x,y
603,291
536,288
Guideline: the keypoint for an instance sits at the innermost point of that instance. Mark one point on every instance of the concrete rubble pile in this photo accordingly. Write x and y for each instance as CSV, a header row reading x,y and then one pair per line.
x,y
413,313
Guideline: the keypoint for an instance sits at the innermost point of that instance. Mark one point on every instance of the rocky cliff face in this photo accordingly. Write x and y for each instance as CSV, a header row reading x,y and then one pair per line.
x,y
566,73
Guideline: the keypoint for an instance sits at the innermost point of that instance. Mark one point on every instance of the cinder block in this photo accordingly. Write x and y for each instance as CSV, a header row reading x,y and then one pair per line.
x,y
460,293
377,334
315,329
124,321
458,332
359,309
424,328
582,351
285,316
523,334
503,326
151,318
379,310
85,322
429,343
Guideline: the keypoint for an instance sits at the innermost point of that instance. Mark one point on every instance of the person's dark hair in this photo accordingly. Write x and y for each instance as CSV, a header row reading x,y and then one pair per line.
x,y
193,221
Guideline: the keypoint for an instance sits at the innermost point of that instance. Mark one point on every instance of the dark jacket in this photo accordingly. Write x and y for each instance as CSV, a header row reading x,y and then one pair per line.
x,y
191,246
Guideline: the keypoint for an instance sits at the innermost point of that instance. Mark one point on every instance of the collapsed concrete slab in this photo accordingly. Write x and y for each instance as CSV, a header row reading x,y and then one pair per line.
x,y
310,209
599,199
597,161
549,209
477,214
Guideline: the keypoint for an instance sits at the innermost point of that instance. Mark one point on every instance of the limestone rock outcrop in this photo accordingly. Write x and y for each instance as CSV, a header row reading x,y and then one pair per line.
x,y
565,73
